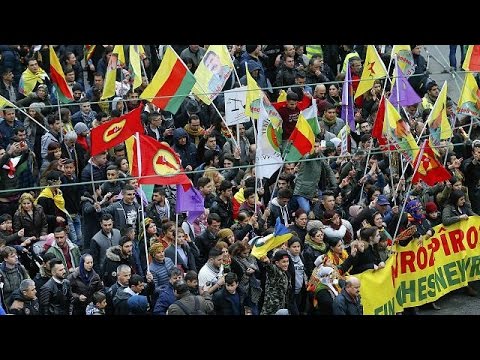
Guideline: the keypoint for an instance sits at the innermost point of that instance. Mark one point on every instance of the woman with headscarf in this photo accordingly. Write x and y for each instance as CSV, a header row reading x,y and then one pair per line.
x,y
335,228
85,282
313,248
336,254
322,289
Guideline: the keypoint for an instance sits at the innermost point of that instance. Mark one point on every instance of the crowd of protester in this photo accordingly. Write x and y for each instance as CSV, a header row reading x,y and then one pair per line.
x,y
75,239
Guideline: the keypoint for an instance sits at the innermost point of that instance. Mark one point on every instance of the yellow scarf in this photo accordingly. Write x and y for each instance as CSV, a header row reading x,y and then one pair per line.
x,y
29,80
57,199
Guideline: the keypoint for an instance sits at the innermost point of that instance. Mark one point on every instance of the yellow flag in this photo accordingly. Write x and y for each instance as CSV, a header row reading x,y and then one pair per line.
x,y
391,118
404,58
398,131
212,73
373,68
5,102
282,96
437,121
469,103
117,57
118,49
135,65
254,95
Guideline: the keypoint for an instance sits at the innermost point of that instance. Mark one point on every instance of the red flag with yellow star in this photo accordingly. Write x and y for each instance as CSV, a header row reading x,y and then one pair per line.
x,y
116,131
159,163
430,170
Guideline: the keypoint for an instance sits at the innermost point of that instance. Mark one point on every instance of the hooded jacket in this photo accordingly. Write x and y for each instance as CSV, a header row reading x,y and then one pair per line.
x,y
283,212
187,152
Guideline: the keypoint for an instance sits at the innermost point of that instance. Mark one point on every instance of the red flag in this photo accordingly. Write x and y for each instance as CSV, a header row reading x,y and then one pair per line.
x,y
377,131
116,131
430,170
160,163
302,104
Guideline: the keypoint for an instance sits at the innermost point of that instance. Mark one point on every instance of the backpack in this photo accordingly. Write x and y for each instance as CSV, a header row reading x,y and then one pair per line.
x,y
196,309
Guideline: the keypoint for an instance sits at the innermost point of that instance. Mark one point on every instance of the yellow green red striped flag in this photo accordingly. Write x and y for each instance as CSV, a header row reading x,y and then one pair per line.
x,y
64,92
303,136
171,83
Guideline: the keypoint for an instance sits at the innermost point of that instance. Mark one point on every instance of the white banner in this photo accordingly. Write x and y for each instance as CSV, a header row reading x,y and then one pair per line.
x,y
235,100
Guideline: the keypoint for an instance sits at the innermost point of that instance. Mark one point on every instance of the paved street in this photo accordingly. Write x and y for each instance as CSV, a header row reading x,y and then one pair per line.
x,y
439,67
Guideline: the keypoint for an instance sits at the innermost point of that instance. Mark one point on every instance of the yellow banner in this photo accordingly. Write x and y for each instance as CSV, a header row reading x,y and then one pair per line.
x,y
212,73
416,275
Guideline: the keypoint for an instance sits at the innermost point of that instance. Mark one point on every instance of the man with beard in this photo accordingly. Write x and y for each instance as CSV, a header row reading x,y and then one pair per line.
x,y
56,295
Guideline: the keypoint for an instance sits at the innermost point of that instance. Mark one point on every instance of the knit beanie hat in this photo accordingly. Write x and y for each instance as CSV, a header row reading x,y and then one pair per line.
x,y
80,128
430,207
224,234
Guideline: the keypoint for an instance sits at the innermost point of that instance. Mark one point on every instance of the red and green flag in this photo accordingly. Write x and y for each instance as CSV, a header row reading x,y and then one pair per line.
x,y
171,84
64,92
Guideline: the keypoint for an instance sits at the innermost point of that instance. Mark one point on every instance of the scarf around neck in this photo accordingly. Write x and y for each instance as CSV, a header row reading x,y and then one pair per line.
x,y
57,199
319,247
29,80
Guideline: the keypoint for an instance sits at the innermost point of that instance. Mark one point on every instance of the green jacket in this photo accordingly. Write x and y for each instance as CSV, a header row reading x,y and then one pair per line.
x,y
74,254
309,175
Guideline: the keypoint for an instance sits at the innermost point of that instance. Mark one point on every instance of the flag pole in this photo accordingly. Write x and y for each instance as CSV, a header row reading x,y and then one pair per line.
x,y
397,85
24,113
58,105
370,149
94,194
409,189
176,236
452,125
284,155
139,164
238,132
142,65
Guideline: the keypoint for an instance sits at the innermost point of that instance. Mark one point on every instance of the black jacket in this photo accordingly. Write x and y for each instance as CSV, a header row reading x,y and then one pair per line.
x,y
56,299
115,258
224,305
225,210
23,306
35,226
51,212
